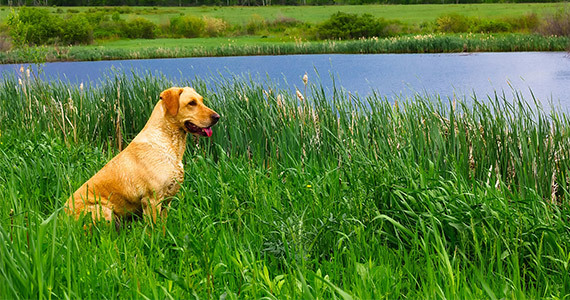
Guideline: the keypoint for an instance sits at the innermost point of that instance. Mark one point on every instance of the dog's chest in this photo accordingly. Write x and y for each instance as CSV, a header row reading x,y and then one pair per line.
x,y
174,180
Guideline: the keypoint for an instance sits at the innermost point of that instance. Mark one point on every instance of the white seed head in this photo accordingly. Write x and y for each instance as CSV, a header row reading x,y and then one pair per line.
x,y
305,79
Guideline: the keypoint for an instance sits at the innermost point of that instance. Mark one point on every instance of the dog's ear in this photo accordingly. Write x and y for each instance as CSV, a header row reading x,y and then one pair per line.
x,y
171,100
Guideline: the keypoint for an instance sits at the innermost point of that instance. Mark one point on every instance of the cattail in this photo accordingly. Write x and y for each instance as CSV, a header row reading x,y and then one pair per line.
x,y
81,87
300,96
28,73
305,78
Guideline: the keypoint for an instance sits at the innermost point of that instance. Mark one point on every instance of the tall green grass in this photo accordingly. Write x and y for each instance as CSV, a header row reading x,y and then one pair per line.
x,y
430,43
330,197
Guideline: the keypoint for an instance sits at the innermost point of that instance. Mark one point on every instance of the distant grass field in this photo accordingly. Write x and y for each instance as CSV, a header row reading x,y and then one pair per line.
x,y
411,14
325,196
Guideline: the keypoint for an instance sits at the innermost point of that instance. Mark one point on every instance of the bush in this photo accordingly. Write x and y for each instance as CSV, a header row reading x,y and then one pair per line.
x,y
139,28
489,26
33,26
557,23
255,24
351,26
76,30
453,23
214,26
526,23
187,26
5,43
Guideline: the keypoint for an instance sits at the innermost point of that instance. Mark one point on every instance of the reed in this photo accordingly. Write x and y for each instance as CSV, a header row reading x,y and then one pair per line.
x,y
428,43
331,196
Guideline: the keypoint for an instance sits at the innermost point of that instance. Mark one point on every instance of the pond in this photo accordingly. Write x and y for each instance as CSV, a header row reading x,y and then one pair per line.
x,y
544,74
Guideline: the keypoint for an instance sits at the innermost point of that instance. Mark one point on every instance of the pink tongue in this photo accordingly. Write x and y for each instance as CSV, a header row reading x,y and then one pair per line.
x,y
208,131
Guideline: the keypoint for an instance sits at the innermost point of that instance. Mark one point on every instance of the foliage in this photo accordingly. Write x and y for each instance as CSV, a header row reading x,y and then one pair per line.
x,y
491,26
139,28
33,26
557,23
453,23
351,26
214,27
187,26
525,23
335,196
76,30
456,23
255,24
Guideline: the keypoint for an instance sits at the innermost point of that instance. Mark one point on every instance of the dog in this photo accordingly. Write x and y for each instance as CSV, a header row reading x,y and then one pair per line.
x,y
149,170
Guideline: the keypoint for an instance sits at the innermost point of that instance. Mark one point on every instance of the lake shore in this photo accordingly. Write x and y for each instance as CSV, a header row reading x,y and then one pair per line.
x,y
247,46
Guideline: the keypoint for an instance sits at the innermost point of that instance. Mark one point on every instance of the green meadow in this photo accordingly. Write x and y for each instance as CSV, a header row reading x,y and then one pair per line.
x,y
411,14
313,195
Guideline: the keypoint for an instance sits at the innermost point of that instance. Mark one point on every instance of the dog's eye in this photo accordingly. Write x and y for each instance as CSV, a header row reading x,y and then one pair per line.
x,y
192,103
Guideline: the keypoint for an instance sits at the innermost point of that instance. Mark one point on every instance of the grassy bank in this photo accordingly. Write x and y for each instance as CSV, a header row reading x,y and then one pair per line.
x,y
325,197
174,48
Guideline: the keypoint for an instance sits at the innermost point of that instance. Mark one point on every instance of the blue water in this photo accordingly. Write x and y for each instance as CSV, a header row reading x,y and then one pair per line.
x,y
547,74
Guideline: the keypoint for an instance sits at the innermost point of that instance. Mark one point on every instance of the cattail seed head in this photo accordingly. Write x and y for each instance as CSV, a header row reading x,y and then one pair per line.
x,y
300,96
305,79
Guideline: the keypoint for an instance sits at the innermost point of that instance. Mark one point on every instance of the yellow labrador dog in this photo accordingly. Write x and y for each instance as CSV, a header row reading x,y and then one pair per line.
x,y
150,169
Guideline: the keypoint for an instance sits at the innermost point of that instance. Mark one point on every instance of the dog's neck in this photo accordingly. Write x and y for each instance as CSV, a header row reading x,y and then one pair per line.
x,y
163,133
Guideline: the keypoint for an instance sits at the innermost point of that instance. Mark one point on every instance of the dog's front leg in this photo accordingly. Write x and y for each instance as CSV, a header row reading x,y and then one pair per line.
x,y
151,208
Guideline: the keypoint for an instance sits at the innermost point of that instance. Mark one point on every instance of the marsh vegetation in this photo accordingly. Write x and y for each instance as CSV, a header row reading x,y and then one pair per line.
x,y
306,195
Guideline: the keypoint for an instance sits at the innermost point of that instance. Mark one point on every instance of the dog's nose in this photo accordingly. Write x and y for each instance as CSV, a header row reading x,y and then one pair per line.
x,y
215,118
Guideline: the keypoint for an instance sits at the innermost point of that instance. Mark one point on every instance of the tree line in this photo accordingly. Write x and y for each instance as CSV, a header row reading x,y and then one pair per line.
x,y
240,2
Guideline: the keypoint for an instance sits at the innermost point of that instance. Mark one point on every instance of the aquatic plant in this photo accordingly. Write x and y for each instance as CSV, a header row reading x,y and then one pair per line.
x,y
335,196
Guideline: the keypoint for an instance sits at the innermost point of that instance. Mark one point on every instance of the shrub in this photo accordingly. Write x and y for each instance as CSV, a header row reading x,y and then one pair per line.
x,y
214,26
33,26
282,23
255,24
525,23
116,16
5,43
488,26
139,28
76,30
557,23
453,23
187,26
351,26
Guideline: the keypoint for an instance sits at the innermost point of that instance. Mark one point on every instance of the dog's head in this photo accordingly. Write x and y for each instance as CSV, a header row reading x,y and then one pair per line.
x,y
186,108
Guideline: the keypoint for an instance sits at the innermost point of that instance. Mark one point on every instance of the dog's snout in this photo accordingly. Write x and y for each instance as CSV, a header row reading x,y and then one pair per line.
x,y
215,118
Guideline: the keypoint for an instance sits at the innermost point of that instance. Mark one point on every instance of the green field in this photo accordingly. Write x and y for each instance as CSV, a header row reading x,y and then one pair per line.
x,y
412,14
329,197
